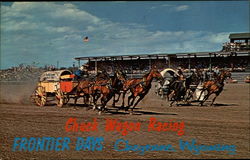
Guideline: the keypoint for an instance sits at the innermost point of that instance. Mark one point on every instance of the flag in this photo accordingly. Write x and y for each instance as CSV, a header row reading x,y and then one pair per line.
x,y
86,39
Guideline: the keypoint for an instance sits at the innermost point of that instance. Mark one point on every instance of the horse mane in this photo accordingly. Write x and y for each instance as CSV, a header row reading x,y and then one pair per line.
x,y
224,74
102,76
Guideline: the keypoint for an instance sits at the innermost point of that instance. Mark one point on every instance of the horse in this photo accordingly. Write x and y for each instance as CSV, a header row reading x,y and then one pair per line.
x,y
85,87
139,87
118,85
102,79
182,89
108,88
102,75
214,86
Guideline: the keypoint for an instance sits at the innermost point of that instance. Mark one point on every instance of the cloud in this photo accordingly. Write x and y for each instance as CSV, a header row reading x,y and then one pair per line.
x,y
181,8
167,5
59,29
161,6
154,7
174,8
24,14
218,37
47,32
23,25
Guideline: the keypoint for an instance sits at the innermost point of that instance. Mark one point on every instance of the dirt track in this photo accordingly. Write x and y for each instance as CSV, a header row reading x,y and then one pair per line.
x,y
226,123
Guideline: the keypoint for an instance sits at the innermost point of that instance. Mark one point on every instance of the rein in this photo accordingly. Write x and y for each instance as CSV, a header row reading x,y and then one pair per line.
x,y
142,83
91,84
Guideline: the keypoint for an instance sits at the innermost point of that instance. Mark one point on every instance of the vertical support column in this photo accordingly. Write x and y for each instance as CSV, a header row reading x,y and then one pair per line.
x,y
89,67
78,63
112,65
210,65
150,63
88,61
189,65
131,75
96,67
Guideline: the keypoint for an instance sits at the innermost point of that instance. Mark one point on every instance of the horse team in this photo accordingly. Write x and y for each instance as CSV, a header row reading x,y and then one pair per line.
x,y
179,89
107,87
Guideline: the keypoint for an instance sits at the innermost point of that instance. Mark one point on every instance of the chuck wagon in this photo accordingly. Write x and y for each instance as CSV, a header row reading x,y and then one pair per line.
x,y
163,89
57,84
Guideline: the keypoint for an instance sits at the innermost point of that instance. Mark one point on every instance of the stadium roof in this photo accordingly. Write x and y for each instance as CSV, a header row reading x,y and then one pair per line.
x,y
158,56
239,36
141,56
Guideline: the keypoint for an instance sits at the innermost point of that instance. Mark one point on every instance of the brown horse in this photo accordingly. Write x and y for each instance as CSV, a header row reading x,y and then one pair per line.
x,y
102,82
108,88
214,86
139,87
85,88
118,85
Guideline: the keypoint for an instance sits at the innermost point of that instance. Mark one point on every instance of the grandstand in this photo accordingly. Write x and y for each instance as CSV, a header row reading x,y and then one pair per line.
x,y
235,56
238,42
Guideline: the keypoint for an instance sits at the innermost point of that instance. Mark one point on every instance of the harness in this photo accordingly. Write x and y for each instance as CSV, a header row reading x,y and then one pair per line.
x,y
219,84
90,85
108,85
141,84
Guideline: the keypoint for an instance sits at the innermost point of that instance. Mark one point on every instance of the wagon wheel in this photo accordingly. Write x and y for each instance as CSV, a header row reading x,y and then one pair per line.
x,y
40,96
61,98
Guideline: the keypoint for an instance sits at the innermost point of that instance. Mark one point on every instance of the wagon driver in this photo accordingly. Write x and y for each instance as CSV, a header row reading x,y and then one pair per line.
x,y
82,72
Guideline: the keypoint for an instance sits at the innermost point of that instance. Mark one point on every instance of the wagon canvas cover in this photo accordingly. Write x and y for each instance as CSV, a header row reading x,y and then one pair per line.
x,y
54,75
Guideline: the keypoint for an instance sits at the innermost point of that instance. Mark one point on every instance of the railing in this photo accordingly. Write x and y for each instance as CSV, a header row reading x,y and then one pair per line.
x,y
236,47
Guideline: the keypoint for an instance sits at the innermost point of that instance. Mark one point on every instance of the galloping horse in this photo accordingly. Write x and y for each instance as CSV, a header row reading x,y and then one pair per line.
x,y
214,86
118,85
85,87
102,79
107,88
139,87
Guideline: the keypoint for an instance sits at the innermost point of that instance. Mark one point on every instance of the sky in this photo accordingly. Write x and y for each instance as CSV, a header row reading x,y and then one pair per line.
x,y
44,33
